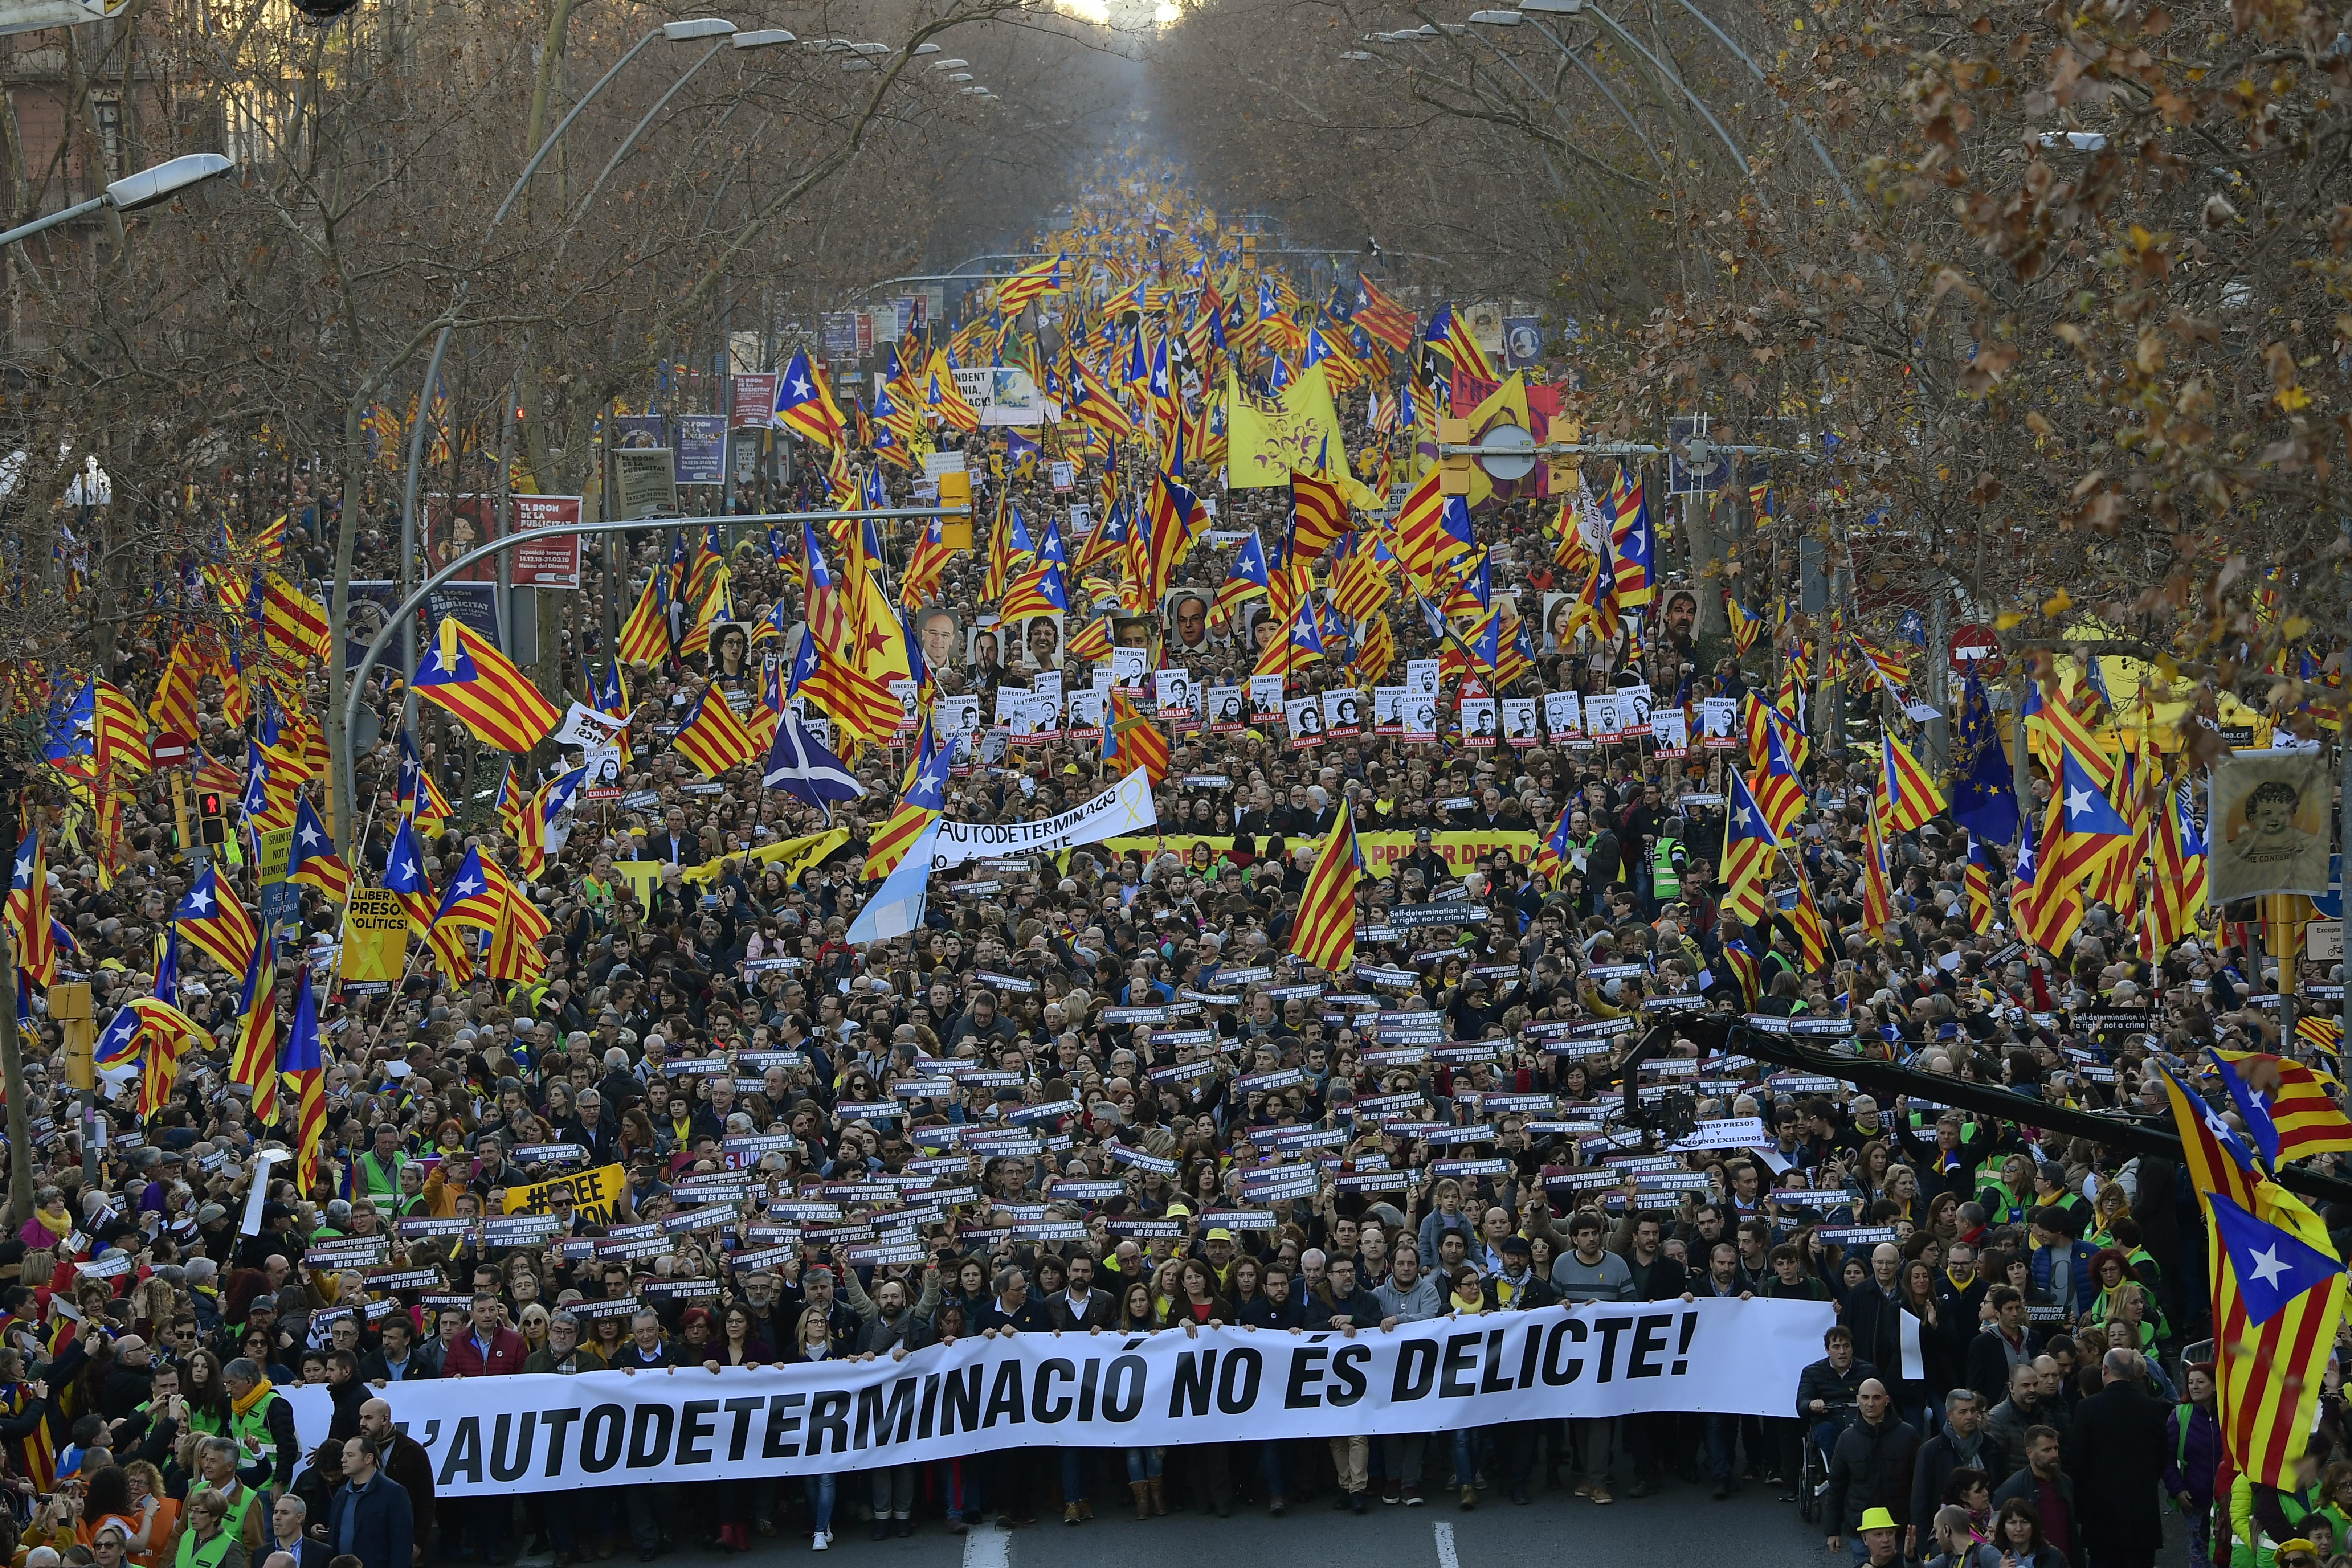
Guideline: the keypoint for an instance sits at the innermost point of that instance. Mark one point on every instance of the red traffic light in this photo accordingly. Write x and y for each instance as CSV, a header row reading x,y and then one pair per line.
x,y
208,803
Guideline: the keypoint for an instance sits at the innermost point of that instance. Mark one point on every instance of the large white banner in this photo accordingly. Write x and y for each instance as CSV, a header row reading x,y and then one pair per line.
x,y
1127,808
547,1433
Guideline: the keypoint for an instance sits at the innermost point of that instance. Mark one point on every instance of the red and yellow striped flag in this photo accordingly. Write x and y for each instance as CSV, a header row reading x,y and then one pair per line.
x,y
714,740
468,676
645,637
1325,931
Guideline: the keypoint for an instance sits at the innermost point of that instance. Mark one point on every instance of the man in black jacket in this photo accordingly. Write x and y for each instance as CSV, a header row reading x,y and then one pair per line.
x,y
1340,1304
1960,1444
1871,1466
1079,1306
1658,1435
1997,1351
1010,1473
1516,1287
2118,1460
370,1518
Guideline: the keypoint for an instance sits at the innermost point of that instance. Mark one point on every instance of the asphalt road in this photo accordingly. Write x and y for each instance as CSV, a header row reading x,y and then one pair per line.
x,y
1681,1525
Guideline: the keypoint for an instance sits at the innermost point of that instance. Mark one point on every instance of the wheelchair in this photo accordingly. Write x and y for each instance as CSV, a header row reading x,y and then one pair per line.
x,y
1813,1473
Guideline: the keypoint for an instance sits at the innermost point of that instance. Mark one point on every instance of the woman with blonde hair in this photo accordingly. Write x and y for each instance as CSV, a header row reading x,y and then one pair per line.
x,y
157,1508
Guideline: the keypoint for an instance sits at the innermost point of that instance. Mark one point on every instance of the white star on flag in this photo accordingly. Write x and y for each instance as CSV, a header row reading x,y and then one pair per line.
x,y
2078,800
308,836
2267,1266
800,389
200,900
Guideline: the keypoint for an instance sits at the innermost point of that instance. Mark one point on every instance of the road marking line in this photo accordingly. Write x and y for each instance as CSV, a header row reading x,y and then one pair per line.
x,y
1445,1557
991,1547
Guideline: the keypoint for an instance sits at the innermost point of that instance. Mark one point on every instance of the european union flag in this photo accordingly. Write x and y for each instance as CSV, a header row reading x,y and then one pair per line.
x,y
1984,800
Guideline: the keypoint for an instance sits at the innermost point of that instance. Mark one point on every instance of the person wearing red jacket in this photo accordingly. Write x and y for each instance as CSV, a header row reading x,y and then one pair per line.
x,y
487,1348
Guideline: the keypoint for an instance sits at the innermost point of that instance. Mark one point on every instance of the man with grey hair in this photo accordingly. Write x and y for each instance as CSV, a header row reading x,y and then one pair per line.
x,y
1960,1443
288,1516
2120,1451
262,1424
217,1472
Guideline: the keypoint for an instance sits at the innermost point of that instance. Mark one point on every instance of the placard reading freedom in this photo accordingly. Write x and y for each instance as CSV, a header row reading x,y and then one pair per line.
x,y
542,1432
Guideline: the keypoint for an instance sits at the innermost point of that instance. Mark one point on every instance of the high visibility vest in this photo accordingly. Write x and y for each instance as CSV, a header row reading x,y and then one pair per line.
x,y
1665,883
233,1521
212,1553
254,1423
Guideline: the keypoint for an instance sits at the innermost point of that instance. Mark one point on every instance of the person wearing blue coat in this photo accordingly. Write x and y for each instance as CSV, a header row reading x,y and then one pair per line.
x,y
369,1517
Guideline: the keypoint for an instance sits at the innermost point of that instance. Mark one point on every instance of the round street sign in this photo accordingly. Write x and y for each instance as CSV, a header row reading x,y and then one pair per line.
x,y
1976,651
1517,463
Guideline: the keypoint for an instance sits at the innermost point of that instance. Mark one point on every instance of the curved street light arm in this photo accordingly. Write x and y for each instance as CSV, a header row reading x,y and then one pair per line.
x,y
402,618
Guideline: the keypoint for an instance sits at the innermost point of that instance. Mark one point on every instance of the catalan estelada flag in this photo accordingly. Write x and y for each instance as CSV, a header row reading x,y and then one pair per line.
x,y
1749,846
28,911
218,925
255,1061
1908,797
921,800
2291,1111
713,738
313,862
300,1062
468,676
803,403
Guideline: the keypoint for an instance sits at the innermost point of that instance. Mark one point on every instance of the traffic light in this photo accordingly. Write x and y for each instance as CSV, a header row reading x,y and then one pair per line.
x,y
214,818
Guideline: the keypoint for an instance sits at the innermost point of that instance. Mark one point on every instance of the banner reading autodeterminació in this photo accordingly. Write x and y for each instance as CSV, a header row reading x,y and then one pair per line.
x,y
542,1432
1123,808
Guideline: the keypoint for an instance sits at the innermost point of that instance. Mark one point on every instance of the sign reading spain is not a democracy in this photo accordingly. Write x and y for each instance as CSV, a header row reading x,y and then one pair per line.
x,y
542,1432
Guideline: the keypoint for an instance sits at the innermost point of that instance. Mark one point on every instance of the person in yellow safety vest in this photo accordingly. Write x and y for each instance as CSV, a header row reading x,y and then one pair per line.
x,y
216,1477
262,1426
2260,1517
207,1540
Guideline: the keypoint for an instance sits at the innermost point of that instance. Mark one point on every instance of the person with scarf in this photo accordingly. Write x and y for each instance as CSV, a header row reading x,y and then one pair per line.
x,y
52,1222
1960,1446
261,1424
2005,1200
26,1413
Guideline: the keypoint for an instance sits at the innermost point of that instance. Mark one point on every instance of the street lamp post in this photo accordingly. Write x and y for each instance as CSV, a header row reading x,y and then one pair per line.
x,y
132,192
403,619
689,30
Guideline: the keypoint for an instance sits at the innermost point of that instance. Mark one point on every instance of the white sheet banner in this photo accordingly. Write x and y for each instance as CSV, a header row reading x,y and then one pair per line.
x,y
545,1433
1127,808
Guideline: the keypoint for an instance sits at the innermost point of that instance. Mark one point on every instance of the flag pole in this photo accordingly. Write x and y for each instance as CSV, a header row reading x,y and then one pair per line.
x,y
2344,848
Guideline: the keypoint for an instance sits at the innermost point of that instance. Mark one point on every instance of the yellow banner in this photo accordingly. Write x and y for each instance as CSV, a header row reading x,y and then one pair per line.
x,y
375,937
277,852
1383,852
793,857
596,1194
1296,429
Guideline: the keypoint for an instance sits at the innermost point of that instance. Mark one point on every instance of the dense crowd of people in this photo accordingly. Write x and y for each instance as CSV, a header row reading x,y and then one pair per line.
x,y
2016,1379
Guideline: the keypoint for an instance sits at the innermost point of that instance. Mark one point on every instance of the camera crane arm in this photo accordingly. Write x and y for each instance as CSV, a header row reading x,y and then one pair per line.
x,y
2138,1134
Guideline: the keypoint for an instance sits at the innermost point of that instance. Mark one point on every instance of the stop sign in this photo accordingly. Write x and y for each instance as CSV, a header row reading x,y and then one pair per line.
x,y
170,750
1976,651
